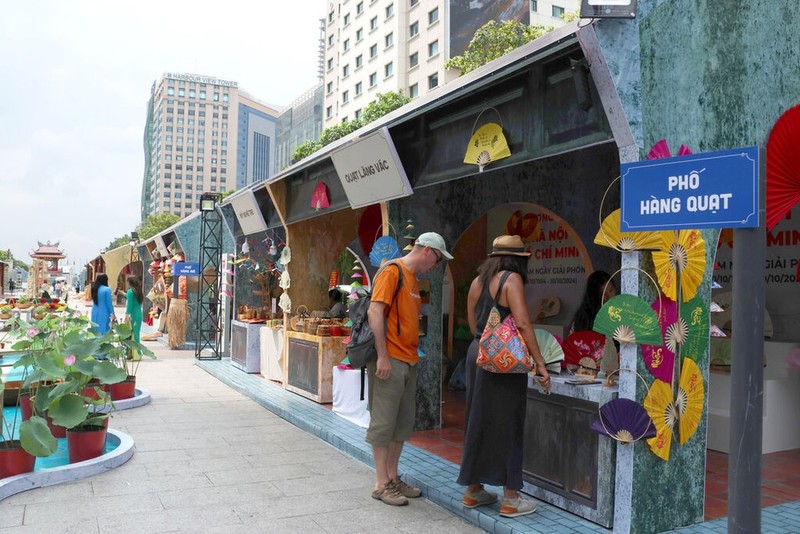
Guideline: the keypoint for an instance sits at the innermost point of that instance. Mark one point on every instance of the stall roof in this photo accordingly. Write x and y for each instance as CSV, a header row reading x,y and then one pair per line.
x,y
511,62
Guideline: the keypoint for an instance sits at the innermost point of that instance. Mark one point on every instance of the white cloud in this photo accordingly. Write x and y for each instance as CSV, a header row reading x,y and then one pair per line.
x,y
74,102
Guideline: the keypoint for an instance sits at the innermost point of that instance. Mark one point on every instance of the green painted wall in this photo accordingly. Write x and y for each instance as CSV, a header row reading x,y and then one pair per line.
x,y
711,74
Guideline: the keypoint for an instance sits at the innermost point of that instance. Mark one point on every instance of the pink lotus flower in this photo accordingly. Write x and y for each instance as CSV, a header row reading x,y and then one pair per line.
x,y
70,360
32,332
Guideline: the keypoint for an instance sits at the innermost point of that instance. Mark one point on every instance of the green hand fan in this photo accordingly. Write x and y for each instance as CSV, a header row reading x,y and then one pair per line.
x,y
551,350
629,319
694,315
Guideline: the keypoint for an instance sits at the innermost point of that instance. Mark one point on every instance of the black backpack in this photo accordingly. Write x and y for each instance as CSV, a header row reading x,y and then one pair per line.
x,y
361,348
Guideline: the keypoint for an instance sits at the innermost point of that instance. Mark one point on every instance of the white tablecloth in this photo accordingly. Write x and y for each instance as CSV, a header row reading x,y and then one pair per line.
x,y
346,395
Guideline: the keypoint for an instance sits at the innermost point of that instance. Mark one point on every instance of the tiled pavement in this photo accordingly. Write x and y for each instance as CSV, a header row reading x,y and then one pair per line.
x,y
435,475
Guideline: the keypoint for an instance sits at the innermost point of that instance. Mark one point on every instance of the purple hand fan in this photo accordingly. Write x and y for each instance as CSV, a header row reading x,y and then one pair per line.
x,y
624,420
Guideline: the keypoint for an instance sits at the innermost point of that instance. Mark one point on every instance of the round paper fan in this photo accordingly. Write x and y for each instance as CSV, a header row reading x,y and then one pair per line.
x,y
550,348
658,403
628,319
691,395
660,359
694,315
583,344
624,420
611,236
783,167
682,257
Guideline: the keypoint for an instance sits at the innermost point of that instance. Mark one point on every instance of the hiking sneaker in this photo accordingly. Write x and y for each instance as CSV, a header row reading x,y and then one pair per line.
x,y
516,507
479,498
406,489
390,495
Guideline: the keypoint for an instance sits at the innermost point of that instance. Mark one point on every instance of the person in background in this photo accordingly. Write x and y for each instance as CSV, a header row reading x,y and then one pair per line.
x,y
494,432
57,289
102,307
335,298
598,291
133,310
393,377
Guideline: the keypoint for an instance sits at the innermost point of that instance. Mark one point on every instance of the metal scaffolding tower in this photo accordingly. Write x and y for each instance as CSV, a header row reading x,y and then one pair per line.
x,y
209,333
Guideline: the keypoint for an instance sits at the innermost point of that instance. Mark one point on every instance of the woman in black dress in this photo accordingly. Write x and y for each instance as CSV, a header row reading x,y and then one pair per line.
x,y
493,437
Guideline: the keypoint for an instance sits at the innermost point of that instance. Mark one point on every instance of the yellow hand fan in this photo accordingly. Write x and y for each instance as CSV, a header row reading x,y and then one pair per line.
x,y
658,403
681,257
611,236
487,144
691,394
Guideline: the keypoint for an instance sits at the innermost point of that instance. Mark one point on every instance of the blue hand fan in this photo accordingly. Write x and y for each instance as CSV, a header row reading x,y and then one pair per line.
x,y
385,248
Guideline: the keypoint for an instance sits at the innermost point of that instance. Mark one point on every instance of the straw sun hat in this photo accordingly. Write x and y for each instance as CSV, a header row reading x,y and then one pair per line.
x,y
508,245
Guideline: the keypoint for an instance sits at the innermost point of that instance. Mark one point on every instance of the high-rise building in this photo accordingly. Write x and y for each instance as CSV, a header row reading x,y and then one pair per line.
x,y
202,135
378,46
301,121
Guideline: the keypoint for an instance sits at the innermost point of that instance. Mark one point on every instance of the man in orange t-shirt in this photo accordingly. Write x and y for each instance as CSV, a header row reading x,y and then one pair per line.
x,y
393,377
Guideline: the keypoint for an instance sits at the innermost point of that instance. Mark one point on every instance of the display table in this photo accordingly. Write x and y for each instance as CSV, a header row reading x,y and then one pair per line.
x,y
272,353
564,463
781,400
245,346
310,363
347,401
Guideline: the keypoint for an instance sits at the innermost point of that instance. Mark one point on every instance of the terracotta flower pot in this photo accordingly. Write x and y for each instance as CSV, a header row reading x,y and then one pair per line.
x,y
91,392
85,444
123,390
58,431
14,460
26,405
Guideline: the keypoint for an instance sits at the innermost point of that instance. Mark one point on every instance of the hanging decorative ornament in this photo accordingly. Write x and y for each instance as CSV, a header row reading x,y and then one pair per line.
x,y
659,404
661,150
660,359
285,280
487,143
623,420
334,279
286,255
611,236
385,248
319,198
783,167
681,256
690,400
628,319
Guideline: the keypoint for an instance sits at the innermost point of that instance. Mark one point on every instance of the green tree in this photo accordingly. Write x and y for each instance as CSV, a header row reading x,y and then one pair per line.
x,y
493,40
118,242
384,103
227,193
6,255
155,223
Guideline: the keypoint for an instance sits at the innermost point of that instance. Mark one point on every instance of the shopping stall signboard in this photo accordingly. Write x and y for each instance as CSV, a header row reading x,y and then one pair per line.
x,y
185,268
370,170
248,213
710,190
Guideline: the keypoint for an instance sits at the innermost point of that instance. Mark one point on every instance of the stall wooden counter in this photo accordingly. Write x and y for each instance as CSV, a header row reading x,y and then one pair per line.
x,y
310,365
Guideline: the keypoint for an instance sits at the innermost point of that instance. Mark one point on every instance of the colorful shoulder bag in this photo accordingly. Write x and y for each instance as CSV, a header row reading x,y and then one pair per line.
x,y
501,348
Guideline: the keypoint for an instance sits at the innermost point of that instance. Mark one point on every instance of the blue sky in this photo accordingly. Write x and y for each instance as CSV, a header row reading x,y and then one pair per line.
x,y
76,80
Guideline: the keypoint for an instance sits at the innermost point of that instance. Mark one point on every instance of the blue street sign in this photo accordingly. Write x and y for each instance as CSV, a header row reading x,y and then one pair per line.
x,y
182,268
711,190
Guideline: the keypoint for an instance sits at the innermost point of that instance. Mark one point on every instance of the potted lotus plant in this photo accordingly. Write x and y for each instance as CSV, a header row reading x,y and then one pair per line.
x,y
5,311
63,355
126,353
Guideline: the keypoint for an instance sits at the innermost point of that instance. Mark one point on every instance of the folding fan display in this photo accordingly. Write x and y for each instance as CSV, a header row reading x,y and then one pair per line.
x,y
682,257
628,319
691,395
660,359
623,420
661,150
783,167
486,145
659,404
611,236
551,350
584,348
694,315
385,248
